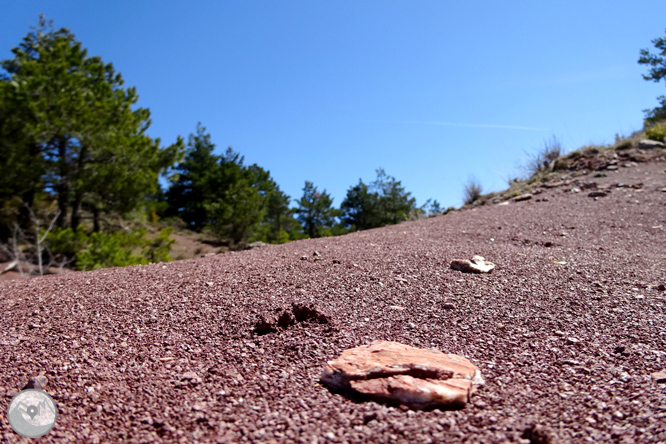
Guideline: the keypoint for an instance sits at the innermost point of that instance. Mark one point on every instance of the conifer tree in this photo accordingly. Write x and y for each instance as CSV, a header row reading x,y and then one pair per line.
x,y
315,211
74,130
657,72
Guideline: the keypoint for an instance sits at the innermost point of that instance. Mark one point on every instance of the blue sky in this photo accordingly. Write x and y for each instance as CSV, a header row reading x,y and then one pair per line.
x,y
432,91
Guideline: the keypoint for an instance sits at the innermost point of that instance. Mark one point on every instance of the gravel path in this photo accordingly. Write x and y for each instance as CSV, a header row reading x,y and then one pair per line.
x,y
566,331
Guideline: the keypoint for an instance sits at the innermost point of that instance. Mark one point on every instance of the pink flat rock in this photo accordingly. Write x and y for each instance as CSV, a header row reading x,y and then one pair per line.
x,y
390,371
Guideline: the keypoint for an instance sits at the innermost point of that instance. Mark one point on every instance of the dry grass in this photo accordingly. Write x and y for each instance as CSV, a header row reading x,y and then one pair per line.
x,y
472,191
552,150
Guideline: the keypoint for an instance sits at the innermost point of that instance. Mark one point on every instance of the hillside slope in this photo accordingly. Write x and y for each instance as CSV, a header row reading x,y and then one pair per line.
x,y
566,331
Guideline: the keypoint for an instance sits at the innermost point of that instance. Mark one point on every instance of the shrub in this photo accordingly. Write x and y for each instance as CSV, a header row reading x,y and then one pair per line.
x,y
656,131
157,249
115,249
282,237
110,250
67,242
472,191
623,145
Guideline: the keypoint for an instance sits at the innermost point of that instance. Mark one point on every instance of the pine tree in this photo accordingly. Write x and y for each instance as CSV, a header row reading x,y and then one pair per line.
x,y
384,202
315,211
657,72
76,131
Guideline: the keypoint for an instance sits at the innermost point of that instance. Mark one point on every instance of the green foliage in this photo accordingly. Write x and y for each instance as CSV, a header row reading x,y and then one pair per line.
x,y
623,144
116,249
656,72
395,205
656,131
236,212
237,202
315,211
384,202
360,209
194,183
157,249
67,242
72,130
430,208
279,224
111,250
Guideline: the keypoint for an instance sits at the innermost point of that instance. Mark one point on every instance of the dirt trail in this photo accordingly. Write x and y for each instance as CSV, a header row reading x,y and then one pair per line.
x,y
566,331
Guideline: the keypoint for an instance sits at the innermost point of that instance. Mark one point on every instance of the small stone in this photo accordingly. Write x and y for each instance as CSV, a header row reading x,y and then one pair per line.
x,y
597,194
10,266
304,258
448,306
478,264
417,378
659,377
257,244
192,377
661,287
36,382
625,377
649,144
200,407
522,197
611,167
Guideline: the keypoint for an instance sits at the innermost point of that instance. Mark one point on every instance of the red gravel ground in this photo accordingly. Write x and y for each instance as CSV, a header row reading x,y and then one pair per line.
x,y
566,331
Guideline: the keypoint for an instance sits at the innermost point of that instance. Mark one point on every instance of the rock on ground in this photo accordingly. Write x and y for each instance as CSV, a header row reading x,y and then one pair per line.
x,y
478,264
419,378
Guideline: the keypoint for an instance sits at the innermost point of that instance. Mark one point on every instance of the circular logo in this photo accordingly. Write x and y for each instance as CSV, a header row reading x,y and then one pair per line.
x,y
32,413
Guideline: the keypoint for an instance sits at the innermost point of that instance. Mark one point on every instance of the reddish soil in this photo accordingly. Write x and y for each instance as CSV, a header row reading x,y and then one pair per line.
x,y
566,331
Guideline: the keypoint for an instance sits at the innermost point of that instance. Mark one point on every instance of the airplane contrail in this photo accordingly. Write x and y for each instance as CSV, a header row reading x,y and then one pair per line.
x,y
480,125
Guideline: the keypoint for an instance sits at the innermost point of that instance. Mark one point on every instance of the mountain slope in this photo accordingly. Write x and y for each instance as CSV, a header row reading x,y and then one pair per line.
x,y
566,331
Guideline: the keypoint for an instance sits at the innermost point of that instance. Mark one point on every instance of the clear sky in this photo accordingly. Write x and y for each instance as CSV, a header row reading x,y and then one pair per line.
x,y
327,91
